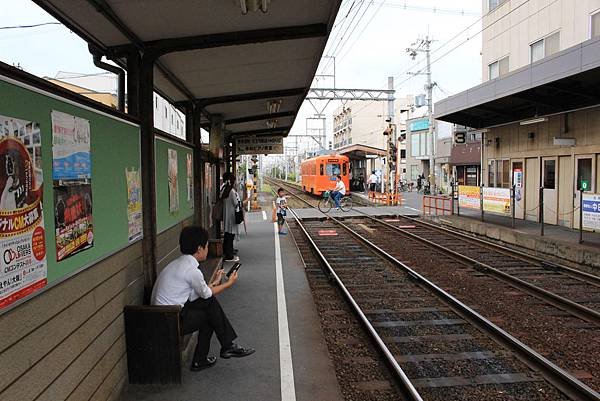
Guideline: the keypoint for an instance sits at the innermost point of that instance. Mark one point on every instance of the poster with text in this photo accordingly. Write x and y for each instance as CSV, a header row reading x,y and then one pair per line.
x,y
134,204
173,188
70,147
190,188
73,219
22,237
496,200
468,197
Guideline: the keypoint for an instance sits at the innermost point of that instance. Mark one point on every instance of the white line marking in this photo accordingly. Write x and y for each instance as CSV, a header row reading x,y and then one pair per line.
x,y
286,368
264,215
412,208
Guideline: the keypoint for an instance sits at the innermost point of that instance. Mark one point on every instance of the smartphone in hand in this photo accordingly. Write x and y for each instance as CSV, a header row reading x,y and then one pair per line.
x,y
233,269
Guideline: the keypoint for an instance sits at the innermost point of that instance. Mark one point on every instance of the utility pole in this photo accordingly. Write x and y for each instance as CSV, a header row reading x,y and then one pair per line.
x,y
423,45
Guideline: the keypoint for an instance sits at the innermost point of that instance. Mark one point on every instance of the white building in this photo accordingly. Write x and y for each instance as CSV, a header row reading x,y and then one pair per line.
x,y
539,107
166,117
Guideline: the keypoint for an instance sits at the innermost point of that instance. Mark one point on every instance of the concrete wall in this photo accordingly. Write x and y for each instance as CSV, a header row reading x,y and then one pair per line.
x,y
510,28
68,343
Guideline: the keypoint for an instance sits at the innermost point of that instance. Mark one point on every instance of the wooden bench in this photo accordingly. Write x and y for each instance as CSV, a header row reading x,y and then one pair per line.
x,y
154,344
155,347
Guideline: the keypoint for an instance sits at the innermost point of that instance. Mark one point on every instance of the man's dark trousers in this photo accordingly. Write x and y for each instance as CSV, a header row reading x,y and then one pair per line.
x,y
206,316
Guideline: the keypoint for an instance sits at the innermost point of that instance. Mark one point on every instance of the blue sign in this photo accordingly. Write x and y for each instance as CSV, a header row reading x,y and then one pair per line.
x,y
419,125
591,211
74,166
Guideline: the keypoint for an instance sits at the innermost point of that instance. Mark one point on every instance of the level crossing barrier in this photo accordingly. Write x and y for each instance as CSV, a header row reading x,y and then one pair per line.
x,y
437,205
386,198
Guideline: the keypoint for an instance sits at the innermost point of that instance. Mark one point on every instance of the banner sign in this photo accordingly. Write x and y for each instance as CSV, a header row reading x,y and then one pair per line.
x,y
591,211
419,125
70,147
22,240
496,200
172,176
258,145
134,204
468,197
73,219
190,183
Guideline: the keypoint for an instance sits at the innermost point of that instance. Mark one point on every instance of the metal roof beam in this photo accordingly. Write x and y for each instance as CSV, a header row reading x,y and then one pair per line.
x,y
265,131
259,117
164,46
244,97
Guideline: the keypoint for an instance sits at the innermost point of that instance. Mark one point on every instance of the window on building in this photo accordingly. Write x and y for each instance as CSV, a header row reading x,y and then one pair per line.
x,y
165,111
403,153
156,103
414,172
495,3
545,47
499,68
595,25
414,145
537,50
499,173
549,174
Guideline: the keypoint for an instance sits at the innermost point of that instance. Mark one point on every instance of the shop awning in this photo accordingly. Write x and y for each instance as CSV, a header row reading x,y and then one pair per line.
x,y
250,68
566,81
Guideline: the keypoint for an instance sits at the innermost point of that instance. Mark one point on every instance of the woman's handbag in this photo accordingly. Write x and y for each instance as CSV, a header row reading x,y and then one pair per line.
x,y
239,213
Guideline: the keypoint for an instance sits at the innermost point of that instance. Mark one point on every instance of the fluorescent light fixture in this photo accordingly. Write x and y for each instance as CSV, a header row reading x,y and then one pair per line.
x,y
534,121
244,7
254,5
273,106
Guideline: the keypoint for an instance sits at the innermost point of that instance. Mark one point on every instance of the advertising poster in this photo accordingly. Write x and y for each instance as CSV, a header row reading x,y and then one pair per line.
x,y
468,197
190,188
70,147
22,237
172,174
134,204
496,200
591,211
73,219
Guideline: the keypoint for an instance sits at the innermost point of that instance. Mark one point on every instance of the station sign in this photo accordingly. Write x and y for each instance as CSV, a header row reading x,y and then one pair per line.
x,y
259,145
419,125
591,211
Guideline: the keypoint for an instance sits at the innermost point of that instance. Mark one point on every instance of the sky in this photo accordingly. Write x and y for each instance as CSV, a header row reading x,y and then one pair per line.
x,y
369,41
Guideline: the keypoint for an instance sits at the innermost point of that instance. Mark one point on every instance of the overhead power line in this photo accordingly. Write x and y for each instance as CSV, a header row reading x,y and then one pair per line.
x,y
29,26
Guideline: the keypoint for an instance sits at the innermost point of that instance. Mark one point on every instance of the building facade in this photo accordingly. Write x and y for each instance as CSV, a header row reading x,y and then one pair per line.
x,y
102,88
519,32
538,110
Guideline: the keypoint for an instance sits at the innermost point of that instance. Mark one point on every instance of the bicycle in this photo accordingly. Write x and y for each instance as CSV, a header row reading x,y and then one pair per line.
x,y
326,203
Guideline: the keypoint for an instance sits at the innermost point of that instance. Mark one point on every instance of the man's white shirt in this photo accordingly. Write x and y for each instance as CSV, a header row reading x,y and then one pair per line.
x,y
179,282
341,187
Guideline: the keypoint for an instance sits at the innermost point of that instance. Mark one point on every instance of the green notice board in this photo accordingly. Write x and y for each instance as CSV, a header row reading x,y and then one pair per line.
x,y
165,216
114,147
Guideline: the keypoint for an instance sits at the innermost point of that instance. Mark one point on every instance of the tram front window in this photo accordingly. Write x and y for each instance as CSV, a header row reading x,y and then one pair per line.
x,y
333,169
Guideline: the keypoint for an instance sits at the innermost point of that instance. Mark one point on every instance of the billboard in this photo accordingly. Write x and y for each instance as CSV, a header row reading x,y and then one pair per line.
x,y
468,197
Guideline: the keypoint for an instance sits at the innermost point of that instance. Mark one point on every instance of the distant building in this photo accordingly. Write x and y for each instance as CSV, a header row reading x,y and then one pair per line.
x,y
102,88
358,128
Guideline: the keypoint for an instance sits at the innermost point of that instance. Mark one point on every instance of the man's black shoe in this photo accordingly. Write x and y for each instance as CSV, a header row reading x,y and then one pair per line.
x,y
208,363
236,351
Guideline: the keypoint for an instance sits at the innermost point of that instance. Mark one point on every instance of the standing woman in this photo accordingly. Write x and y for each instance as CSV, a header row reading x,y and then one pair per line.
x,y
231,201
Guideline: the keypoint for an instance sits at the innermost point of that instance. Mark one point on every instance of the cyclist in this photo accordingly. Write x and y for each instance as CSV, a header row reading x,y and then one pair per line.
x,y
339,191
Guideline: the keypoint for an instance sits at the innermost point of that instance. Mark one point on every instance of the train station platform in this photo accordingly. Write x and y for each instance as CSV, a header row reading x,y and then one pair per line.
x,y
272,310
557,241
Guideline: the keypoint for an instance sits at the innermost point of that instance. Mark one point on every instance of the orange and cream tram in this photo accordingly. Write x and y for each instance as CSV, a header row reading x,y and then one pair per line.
x,y
318,173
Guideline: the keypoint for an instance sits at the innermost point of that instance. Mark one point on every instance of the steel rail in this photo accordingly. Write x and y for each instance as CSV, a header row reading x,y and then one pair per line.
x,y
558,301
587,277
400,376
560,378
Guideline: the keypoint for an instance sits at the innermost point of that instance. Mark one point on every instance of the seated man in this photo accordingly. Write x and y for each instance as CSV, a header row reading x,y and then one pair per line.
x,y
182,283
339,191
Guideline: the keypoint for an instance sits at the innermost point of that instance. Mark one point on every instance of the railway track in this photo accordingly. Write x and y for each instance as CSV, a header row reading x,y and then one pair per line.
x,y
569,337
437,347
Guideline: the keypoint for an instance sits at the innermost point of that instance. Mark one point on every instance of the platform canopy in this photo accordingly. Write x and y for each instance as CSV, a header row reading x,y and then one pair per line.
x,y
563,82
253,69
